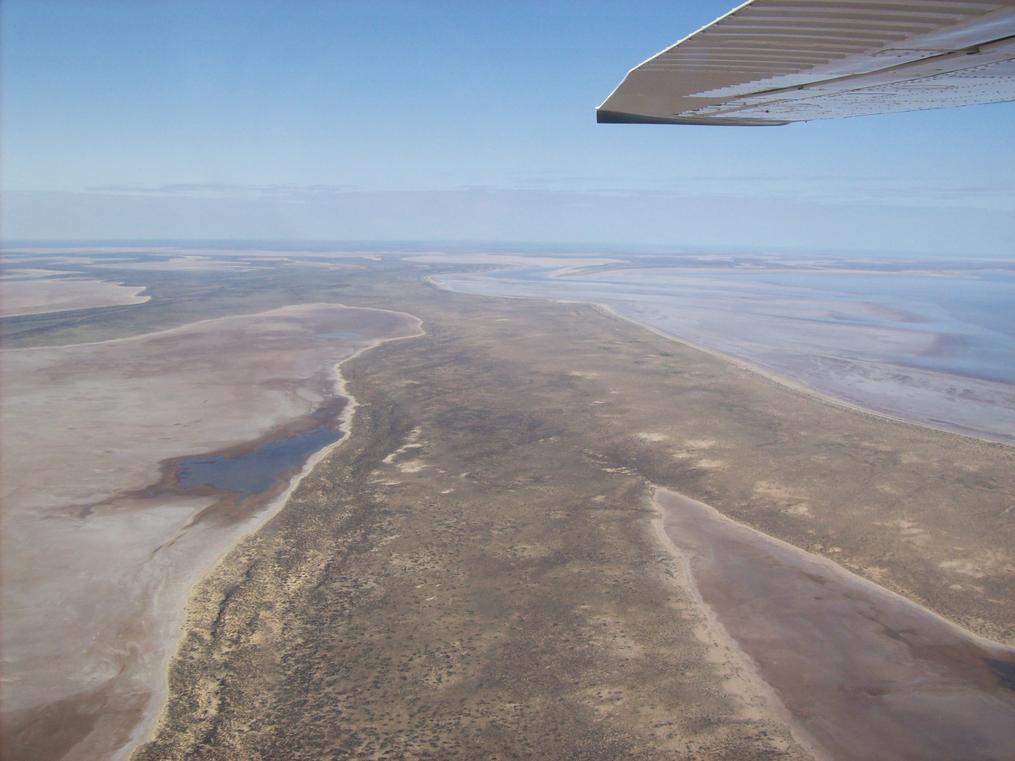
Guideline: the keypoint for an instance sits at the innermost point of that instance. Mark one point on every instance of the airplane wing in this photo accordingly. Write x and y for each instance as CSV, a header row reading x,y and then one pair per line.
x,y
771,62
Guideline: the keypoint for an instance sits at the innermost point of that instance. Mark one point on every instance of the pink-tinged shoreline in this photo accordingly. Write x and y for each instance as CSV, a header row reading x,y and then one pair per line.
x,y
860,671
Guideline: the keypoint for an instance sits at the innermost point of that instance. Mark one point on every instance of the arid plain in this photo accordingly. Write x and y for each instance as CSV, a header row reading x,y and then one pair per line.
x,y
489,566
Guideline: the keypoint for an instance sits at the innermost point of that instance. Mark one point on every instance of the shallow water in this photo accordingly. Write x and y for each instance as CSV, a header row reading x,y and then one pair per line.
x,y
961,323
254,471
932,346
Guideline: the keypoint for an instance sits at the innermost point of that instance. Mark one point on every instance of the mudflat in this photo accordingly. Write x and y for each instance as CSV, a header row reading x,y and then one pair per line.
x,y
475,573
866,673
41,294
102,538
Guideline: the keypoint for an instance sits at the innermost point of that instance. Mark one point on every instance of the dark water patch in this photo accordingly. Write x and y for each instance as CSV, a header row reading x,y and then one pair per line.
x,y
244,476
256,470
1005,671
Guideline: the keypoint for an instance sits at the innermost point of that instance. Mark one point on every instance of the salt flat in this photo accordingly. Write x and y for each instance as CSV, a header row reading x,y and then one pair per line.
x,y
42,293
864,673
95,567
929,342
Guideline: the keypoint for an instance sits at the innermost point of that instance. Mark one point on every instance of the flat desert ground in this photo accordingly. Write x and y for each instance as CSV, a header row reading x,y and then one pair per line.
x,y
100,546
547,534
28,292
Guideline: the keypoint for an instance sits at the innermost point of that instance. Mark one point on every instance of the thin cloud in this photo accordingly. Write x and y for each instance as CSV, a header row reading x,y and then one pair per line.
x,y
824,190
224,190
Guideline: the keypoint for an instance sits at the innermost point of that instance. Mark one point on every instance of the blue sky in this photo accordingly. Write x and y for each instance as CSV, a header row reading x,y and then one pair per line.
x,y
396,120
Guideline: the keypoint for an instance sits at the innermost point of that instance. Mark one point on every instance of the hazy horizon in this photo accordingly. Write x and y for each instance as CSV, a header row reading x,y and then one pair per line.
x,y
394,245
442,121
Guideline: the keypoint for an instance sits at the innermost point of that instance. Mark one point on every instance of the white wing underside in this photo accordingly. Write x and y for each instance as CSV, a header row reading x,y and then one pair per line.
x,y
780,61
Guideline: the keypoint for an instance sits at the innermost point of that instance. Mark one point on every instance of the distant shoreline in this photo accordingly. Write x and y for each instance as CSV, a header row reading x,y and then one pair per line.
x,y
744,364
783,380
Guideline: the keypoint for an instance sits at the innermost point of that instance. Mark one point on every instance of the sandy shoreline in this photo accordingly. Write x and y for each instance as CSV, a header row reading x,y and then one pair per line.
x,y
79,682
150,726
862,671
783,380
744,364
777,376
748,684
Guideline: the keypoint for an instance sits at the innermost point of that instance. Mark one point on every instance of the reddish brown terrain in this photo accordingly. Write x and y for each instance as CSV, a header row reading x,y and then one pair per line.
x,y
478,571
